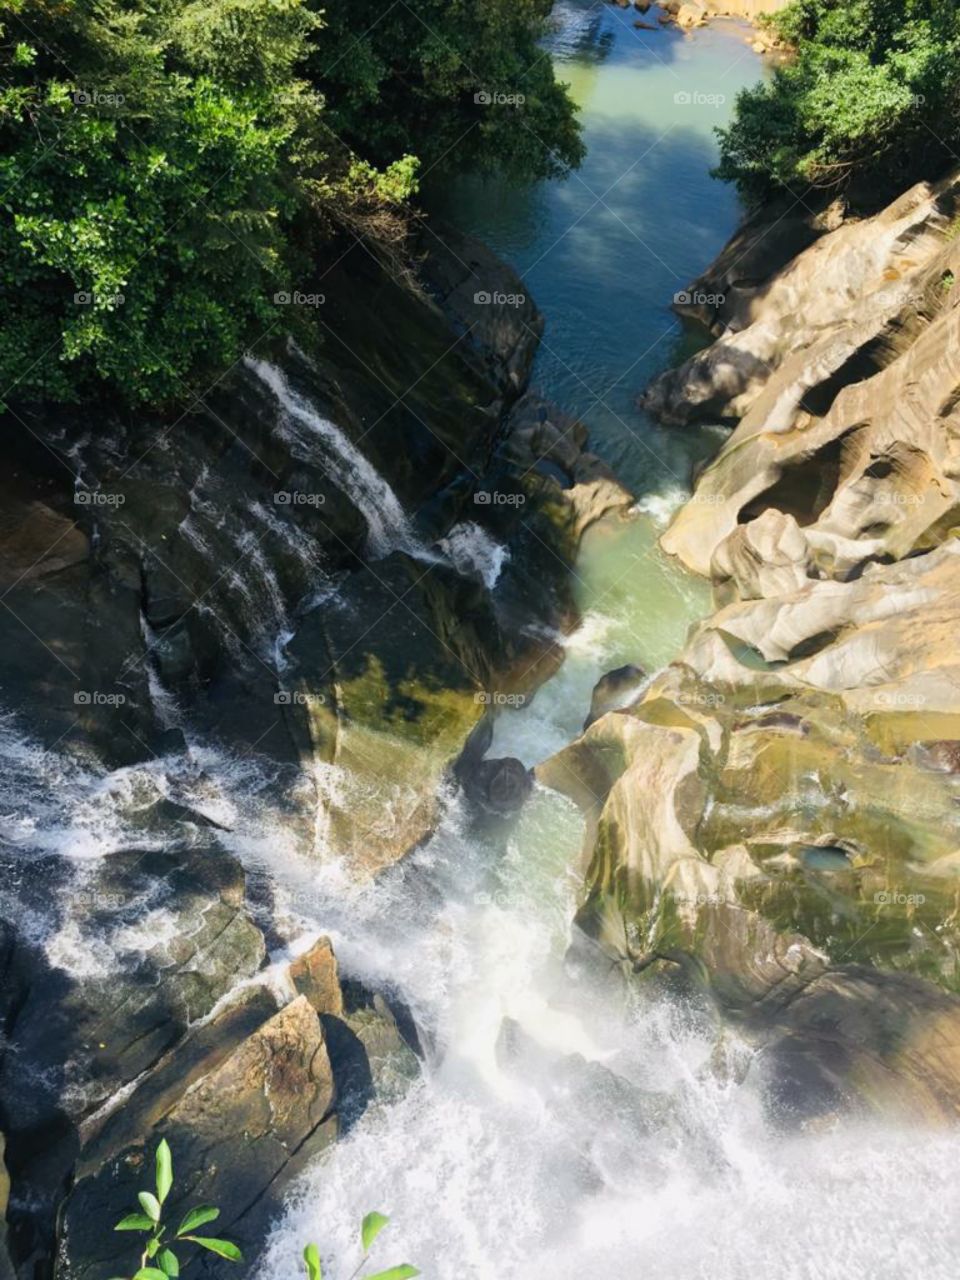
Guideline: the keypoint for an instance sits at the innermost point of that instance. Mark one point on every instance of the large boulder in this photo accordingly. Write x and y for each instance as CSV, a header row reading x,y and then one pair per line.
x,y
237,1136
822,316
614,690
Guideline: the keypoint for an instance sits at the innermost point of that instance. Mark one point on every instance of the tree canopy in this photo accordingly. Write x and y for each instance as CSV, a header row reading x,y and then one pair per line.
x,y
166,168
873,89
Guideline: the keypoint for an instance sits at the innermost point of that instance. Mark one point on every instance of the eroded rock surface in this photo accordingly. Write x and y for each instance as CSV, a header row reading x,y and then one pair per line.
x,y
776,820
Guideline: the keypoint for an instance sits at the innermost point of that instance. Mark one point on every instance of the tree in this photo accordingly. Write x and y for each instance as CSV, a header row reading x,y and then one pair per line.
x,y
464,83
167,168
872,90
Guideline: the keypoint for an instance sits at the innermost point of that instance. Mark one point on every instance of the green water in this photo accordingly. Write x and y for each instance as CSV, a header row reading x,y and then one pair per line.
x,y
603,252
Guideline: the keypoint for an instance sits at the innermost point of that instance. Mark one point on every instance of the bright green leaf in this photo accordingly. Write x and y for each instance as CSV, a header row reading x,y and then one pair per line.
x,y
150,1204
403,1272
135,1222
371,1227
223,1247
168,1263
149,1273
197,1217
311,1256
164,1170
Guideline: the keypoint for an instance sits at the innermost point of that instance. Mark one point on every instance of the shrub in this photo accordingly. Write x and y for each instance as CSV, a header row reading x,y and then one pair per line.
x,y
872,89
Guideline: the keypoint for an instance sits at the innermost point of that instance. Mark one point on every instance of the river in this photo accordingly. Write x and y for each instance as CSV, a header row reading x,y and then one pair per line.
x,y
525,1149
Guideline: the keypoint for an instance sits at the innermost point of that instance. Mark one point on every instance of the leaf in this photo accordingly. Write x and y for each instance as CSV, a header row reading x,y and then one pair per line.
x,y
311,1256
223,1247
371,1227
151,1205
403,1272
197,1216
135,1222
164,1170
168,1263
150,1273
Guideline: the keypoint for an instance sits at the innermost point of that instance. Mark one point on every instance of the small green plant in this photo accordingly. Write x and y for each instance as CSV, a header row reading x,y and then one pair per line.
x,y
370,1228
158,1260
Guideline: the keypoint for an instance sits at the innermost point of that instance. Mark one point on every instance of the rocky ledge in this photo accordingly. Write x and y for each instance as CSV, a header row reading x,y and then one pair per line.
x,y
775,823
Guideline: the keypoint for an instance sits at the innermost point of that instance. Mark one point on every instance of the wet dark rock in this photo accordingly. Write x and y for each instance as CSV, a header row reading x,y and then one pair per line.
x,y
614,690
500,786
167,601
156,938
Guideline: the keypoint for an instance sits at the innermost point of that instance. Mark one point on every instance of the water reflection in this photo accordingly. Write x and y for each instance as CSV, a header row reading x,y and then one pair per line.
x,y
604,251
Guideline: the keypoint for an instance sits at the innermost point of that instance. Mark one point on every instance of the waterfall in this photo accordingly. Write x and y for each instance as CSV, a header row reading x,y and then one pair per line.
x,y
325,445
473,553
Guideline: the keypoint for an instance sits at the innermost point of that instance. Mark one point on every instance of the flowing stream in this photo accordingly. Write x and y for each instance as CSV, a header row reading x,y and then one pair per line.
x,y
553,1134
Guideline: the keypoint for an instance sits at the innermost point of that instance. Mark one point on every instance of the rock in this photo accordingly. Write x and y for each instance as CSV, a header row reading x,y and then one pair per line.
x,y
234,1136
316,976
153,940
799,325
692,13
6,1265
158,1091
374,1060
642,5
614,690
501,786
863,1043
35,540
864,467
944,754
774,822
767,556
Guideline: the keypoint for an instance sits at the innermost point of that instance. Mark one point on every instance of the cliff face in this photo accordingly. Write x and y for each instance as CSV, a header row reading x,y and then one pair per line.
x,y
777,819
297,572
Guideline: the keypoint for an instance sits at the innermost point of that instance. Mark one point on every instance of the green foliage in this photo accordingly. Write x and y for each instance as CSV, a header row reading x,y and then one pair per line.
x,y
401,76
370,1228
158,1260
874,86
167,166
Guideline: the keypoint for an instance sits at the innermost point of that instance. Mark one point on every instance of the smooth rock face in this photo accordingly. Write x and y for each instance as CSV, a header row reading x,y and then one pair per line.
x,y
844,383
776,820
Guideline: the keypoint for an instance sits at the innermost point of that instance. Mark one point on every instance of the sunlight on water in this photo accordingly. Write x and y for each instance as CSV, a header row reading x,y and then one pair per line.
x,y
637,607
604,251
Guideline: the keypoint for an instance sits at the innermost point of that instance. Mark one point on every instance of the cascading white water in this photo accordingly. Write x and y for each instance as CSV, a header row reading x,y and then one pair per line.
x,y
473,552
469,549
510,1162
325,445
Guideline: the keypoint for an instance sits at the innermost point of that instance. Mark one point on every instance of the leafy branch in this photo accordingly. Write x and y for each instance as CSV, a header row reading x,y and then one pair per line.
x,y
158,1260
370,1228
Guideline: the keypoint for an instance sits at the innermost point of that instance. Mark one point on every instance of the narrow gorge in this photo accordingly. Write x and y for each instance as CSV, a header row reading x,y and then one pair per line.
x,y
493,756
